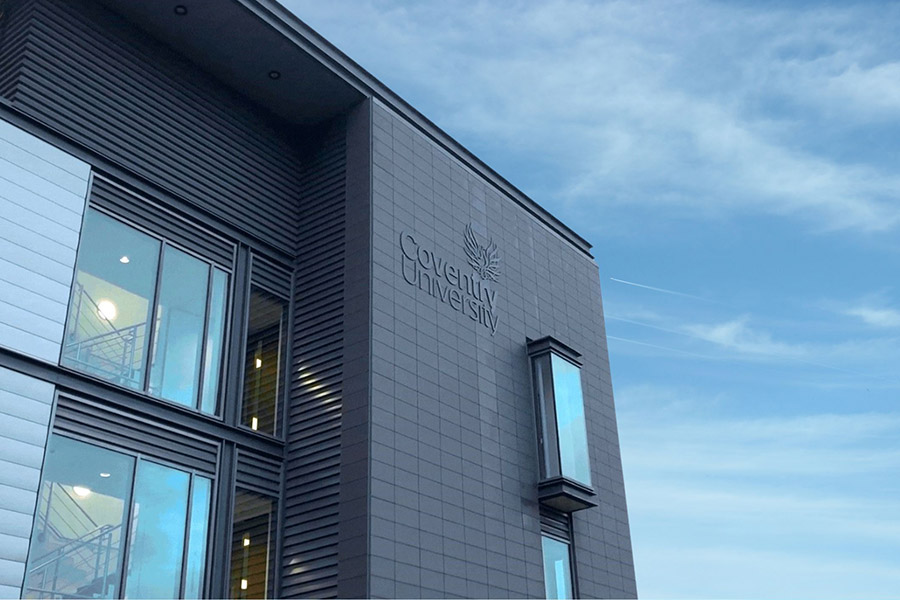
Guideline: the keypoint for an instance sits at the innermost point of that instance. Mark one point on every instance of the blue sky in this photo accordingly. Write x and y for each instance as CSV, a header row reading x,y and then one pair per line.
x,y
740,161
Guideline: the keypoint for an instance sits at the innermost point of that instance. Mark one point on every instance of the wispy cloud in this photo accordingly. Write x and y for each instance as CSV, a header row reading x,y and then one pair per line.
x,y
878,317
626,102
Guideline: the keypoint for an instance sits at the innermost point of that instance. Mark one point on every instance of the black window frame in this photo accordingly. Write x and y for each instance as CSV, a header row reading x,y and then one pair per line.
x,y
212,263
555,490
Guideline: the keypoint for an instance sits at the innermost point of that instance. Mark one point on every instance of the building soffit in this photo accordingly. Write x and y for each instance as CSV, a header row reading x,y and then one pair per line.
x,y
242,42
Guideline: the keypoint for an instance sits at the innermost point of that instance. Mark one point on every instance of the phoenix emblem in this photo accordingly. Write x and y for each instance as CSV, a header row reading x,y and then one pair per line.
x,y
484,259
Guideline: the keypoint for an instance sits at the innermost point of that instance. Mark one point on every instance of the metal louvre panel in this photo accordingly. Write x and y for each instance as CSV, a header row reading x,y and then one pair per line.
x,y
258,473
144,212
313,458
93,422
270,276
556,524
139,104
13,35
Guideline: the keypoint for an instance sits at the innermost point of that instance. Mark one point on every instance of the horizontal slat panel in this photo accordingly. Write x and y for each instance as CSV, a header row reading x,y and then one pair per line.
x,y
138,103
312,477
91,421
259,473
142,211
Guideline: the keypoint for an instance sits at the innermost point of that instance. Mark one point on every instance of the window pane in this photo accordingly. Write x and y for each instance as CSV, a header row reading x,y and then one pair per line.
x,y
215,337
106,333
77,539
262,371
570,423
157,532
252,546
198,529
178,341
557,570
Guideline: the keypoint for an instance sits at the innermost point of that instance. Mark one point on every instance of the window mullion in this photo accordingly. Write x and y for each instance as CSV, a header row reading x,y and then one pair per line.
x,y
151,322
201,372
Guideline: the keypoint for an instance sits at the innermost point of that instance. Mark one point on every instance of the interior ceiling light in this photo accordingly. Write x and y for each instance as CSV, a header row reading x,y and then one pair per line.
x,y
181,10
107,310
274,74
124,260
104,475
81,491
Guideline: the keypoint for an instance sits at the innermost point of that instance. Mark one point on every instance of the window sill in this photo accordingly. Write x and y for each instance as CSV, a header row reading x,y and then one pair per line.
x,y
566,495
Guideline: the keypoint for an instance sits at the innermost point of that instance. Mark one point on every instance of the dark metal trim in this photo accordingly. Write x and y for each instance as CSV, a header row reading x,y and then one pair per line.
x,y
161,412
551,344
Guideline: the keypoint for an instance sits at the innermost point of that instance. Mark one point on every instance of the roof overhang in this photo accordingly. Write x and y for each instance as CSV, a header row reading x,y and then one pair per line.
x,y
231,41
242,41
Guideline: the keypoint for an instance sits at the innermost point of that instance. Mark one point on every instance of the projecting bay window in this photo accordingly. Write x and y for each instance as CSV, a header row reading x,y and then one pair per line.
x,y
562,433
263,362
146,315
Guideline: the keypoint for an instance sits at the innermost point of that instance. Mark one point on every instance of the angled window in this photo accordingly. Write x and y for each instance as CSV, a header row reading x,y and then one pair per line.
x,y
146,315
562,432
253,545
263,363
111,525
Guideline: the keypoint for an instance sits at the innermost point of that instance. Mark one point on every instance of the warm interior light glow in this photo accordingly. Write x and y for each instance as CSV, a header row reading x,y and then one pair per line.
x,y
107,310
124,260
243,584
258,363
254,423
246,540
104,475
81,491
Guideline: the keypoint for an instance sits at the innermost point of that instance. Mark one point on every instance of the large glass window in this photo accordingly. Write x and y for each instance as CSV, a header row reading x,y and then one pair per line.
x,y
94,503
560,404
263,369
557,568
252,545
138,301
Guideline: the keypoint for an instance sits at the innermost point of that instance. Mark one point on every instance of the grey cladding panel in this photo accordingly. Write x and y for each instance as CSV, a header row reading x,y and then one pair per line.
x,y
42,194
25,405
312,478
143,107
454,459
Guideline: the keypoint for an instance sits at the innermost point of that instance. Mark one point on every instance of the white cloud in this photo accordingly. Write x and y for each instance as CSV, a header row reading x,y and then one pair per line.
x,y
628,103
878,317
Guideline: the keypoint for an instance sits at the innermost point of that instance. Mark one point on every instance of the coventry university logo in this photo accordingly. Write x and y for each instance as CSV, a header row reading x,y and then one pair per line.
x,y
484,259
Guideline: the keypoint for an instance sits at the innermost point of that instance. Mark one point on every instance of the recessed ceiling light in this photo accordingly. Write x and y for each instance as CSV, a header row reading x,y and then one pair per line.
x,y
274,74
124,260
107,310
81,491
104,475
181,10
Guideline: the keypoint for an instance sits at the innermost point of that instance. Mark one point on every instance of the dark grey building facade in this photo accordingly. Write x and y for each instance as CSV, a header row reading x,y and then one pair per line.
x,y
266,331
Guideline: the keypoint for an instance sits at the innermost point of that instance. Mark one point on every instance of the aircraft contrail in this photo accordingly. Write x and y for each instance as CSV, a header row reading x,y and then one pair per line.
x,y
662,290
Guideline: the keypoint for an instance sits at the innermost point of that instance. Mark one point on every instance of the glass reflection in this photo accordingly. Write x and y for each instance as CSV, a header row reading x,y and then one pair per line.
x,y
215,339
557,570
252,545
106,332
157,532
570,421
76,543
178,341
262,370
197,531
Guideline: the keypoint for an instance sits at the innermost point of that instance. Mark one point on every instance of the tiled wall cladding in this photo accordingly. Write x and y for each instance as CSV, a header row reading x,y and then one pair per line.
x,y
453,453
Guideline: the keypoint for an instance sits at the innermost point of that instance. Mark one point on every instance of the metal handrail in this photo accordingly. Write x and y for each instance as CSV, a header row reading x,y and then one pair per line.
x,y
79,543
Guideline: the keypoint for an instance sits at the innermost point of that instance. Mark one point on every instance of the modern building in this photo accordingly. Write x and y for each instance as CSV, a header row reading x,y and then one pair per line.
x,y
266,331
